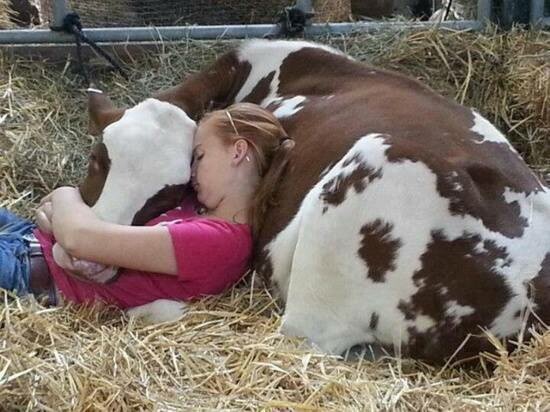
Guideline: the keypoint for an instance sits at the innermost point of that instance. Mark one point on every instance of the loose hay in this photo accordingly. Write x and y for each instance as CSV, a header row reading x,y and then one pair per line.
x,y
5,11
226,352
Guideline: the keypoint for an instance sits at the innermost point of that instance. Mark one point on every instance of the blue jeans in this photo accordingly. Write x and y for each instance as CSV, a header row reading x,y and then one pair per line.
x,y
14,252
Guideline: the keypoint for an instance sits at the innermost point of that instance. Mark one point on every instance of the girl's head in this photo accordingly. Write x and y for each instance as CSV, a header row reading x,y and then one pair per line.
x,y
241,152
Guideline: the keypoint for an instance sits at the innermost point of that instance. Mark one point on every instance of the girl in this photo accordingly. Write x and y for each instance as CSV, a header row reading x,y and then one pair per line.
x,y
199,248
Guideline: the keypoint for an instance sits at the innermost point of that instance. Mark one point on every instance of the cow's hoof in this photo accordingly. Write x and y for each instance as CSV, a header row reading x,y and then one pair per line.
x,y
159,311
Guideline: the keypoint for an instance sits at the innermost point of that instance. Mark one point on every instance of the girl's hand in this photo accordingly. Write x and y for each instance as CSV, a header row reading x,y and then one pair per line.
x,y
43,217
69,216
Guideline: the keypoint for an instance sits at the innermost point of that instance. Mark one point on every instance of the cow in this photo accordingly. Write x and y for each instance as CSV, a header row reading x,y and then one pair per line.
x,y
404,220
138,170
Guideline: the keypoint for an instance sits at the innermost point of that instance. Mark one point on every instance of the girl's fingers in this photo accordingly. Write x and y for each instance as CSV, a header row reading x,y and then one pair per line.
x,y
43,221
46,199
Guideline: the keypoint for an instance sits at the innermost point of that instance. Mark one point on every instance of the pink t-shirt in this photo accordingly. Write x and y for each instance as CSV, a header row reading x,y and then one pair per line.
x,y
211,254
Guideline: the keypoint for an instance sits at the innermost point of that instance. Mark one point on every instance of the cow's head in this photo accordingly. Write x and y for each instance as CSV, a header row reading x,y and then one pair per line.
x,y
141,166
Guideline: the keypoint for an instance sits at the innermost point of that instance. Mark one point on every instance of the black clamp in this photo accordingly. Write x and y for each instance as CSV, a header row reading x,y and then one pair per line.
x,y
72,25
291,23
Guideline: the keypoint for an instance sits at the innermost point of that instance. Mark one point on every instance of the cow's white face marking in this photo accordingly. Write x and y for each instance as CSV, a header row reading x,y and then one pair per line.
x,y
149,148
289,107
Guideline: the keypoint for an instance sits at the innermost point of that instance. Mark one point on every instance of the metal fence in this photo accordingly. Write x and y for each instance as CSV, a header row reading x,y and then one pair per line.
x,y
174,33
537,15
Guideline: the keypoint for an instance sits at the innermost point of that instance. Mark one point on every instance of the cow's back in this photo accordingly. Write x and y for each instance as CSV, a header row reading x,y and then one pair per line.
x,y
407,211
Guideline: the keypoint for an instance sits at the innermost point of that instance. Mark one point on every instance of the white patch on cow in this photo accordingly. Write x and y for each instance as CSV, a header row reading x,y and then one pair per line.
x,y
457,311
527,254
453,179
329,292
266,56
422,323
330,96
158,311
149,147
289,107
280,253
488,132
326,170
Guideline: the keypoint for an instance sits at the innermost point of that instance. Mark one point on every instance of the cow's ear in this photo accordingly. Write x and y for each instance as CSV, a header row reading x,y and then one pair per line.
x,y
101,111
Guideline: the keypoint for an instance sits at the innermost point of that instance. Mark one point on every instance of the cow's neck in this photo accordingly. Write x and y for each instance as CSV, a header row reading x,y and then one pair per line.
x,y
210,89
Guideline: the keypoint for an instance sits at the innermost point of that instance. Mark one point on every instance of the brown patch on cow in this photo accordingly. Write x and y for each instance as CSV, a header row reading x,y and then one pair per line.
x,y
540,291
374,318
474,177
261,90
336,189
212,88
378,249
98,169
165,199
456,271
483,197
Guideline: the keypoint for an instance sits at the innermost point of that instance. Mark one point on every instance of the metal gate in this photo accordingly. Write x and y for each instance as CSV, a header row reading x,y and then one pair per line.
x,y
174,33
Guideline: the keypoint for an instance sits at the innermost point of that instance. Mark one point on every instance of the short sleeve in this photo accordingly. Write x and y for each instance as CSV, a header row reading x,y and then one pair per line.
x,y
211,254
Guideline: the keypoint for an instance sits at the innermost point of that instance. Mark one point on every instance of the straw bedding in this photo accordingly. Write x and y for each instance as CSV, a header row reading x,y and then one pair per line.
x,y
5,21
226,353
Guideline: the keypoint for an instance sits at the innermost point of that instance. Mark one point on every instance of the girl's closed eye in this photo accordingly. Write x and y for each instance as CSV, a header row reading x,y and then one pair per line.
x,y
196,158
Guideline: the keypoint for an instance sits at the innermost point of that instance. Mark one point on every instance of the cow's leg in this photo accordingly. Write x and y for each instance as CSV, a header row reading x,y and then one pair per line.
x,y
339,295
280,253
325,293
159,311
321,291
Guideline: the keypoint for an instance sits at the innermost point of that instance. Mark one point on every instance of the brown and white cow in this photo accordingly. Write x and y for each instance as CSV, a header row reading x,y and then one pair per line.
x,y
139,170
405,220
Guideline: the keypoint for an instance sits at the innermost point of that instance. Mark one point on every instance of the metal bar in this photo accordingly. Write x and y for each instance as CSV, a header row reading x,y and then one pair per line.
x,y
304,5
514,12
59,12
484,11
172,33
536,13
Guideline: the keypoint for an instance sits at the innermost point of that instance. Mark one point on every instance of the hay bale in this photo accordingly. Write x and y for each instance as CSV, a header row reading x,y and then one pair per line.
x,y
332,11
226,352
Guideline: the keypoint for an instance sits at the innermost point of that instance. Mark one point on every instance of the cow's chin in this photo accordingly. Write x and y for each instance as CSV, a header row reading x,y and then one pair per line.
x,y
166,199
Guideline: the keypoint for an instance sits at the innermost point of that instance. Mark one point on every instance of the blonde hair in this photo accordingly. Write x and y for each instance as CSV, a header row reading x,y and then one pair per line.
x,y
269,142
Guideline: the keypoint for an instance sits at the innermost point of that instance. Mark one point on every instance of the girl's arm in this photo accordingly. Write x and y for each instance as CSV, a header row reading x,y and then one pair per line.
x,y
83,235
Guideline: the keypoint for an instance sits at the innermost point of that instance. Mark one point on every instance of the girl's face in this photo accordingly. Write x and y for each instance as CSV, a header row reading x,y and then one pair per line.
x,y
212,169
